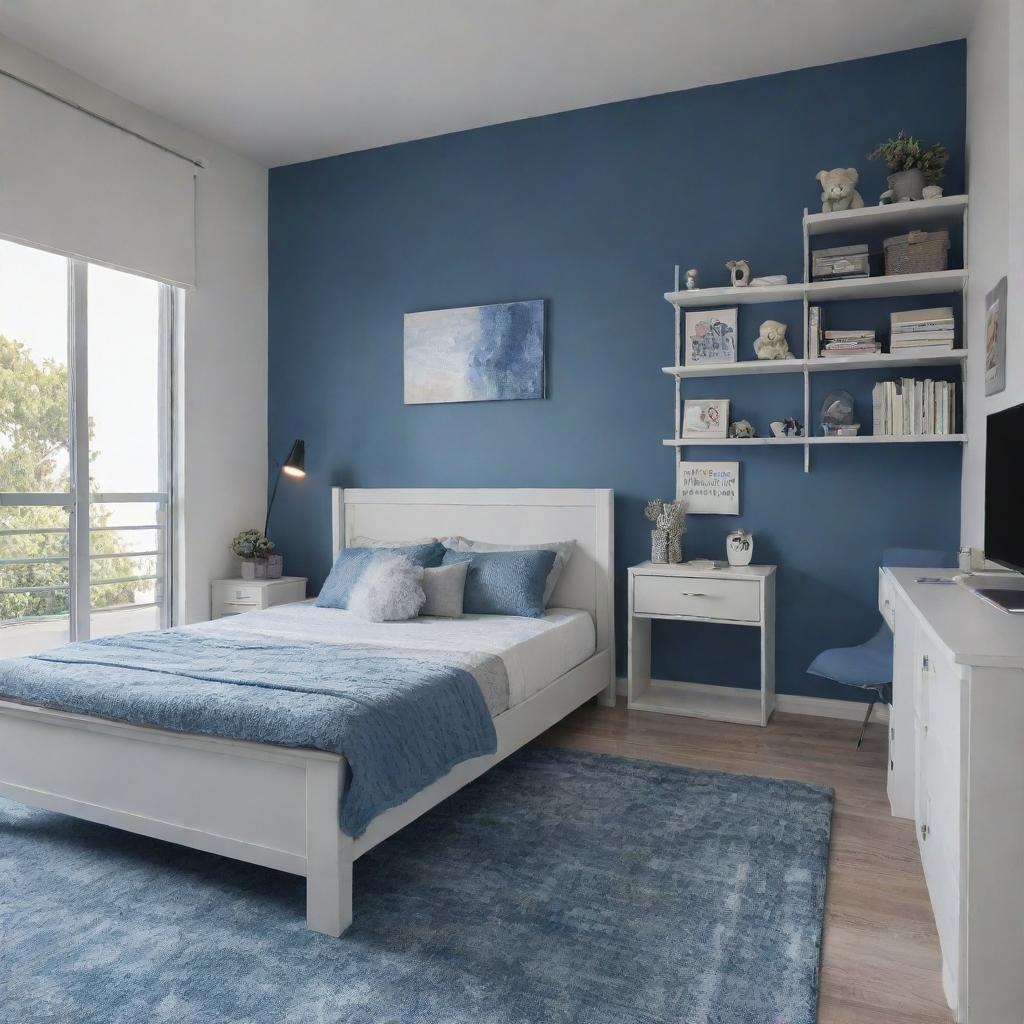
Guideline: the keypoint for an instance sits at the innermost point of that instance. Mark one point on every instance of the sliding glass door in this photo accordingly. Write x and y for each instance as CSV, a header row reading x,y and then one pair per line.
x,y
85,451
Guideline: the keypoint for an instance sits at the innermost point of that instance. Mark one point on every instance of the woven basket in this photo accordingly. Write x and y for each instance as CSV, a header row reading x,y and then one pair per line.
x,y
920,252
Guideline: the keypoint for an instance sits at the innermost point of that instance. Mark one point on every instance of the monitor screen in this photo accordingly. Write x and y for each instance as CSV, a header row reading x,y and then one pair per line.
x,y
1004,528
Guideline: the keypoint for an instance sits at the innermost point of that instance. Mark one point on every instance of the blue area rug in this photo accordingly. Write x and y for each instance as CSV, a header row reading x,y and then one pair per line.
x,y
560,888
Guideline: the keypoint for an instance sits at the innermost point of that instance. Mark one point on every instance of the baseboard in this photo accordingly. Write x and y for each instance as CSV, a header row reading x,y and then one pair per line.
x,y
794,704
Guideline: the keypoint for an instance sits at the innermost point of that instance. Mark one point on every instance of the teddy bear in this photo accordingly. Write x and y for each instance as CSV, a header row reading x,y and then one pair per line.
x,y
771,341
839,189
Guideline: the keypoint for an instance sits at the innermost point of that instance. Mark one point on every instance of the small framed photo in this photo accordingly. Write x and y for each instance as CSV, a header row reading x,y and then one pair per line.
x,y
705,417
711,336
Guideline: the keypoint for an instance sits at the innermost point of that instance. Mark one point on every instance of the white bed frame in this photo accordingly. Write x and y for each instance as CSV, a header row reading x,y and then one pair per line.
x,y
277,806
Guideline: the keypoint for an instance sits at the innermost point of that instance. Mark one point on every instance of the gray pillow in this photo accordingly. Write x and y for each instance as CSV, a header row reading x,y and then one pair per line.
x,y
445,588
563,550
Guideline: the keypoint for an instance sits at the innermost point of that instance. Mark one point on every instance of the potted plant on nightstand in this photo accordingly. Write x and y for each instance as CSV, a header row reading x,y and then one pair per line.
x,y
912,166
256,551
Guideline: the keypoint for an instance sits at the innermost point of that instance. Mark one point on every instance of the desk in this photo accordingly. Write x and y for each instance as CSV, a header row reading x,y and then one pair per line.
x,y
738,596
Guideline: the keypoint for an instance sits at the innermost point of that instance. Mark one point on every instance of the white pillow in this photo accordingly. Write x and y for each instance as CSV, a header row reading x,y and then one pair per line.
x,y
389,590
369,542
563,550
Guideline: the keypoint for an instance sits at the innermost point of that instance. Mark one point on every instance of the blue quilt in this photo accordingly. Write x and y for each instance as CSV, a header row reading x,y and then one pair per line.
x,y
401,720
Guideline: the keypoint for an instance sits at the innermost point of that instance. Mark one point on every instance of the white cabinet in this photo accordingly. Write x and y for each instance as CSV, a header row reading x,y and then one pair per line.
x,y
232,597
957,767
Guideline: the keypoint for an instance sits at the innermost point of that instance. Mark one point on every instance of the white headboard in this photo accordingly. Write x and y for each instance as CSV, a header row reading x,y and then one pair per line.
x,y
526,516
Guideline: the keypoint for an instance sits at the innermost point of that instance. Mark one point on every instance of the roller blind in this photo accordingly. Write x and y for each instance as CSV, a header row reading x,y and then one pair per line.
x,y
75,185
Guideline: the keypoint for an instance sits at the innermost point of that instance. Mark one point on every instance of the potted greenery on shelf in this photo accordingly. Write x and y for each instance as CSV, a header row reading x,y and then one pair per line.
x,y
912,165
256,551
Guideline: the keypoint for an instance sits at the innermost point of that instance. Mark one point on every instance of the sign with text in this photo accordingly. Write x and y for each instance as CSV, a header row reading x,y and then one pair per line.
x,y
709,487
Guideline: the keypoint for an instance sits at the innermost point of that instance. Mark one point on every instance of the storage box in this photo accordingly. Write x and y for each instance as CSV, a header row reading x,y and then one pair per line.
x,y
920,252
843,261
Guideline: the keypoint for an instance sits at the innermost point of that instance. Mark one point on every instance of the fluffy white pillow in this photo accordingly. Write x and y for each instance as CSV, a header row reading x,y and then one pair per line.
x,y
389,590
563,550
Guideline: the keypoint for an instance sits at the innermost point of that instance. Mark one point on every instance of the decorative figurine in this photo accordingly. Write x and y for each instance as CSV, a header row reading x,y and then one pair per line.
x,y
739,271
771,341
839,189
691,280
793,427
742,428
837,415
739,547
669,518
931,192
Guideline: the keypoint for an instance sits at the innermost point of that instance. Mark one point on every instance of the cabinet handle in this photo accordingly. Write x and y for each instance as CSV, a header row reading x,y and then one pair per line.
x,y
693,593
924,661
925,832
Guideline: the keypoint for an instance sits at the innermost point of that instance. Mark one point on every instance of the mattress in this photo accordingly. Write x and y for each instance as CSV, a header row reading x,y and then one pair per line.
x,y
535,652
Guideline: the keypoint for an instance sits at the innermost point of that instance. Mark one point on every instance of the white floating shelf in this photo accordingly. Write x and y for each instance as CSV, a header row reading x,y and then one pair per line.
x,y
881,361
891,439
736,369
899,217
686,442
889,285
709,298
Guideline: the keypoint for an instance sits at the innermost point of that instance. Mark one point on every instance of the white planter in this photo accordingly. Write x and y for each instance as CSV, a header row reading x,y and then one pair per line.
x,y
254,569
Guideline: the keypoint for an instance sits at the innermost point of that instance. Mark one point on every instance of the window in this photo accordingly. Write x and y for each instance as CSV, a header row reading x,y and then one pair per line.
x,y
85,451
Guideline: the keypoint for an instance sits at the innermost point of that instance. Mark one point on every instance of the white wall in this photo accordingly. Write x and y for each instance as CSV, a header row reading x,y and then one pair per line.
x,y
222,358
995,161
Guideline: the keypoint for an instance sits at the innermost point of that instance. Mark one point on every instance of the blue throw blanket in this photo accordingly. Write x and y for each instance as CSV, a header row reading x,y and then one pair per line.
x,y
401,721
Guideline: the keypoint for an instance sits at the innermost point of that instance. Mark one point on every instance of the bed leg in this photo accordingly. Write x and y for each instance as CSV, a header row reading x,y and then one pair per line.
x,y
328,852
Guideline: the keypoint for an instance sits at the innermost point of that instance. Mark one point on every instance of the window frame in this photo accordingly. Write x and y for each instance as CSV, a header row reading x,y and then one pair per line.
x,y
77,500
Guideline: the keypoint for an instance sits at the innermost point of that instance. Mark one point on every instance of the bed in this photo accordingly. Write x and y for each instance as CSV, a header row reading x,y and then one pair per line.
x,y
278,806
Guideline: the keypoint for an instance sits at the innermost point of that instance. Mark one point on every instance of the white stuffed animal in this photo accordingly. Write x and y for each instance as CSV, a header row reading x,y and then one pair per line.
x,y
771,341
839,189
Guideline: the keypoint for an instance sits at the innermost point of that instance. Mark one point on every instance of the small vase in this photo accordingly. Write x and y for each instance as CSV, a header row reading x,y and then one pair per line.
x,y
275,567
254,568
907,184
739,547
675,550
659,545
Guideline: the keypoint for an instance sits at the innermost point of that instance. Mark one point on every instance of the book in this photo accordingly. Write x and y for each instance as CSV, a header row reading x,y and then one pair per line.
x,y
932,326
916,340
916,316
814,324
919,350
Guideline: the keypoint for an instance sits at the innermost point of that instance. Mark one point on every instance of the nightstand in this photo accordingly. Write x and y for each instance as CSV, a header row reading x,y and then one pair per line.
x,y
738,596
231,597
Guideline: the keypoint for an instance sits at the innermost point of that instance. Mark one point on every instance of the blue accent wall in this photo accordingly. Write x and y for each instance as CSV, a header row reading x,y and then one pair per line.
x,y
589,210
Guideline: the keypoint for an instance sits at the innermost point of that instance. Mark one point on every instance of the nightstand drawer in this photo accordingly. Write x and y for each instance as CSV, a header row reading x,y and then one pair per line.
x,y
240,595
697,596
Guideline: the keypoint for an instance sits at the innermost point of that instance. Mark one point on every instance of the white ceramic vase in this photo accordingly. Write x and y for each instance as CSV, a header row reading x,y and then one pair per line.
x,y
739,547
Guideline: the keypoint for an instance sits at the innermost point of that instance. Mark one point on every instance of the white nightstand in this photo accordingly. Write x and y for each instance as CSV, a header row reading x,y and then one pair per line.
x,y
733,596
231,597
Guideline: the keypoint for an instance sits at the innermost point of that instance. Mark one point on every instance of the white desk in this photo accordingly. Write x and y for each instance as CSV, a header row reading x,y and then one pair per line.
x,y
956,767
743,597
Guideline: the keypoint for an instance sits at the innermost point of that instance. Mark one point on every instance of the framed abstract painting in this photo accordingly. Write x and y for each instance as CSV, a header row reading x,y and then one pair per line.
x,y
475,354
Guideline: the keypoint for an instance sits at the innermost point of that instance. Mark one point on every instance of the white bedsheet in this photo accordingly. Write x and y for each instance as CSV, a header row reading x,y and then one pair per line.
x,y
535,651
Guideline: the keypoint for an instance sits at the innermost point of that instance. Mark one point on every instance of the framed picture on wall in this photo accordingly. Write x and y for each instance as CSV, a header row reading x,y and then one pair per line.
x,y
711,336
705,417
995,339
712,488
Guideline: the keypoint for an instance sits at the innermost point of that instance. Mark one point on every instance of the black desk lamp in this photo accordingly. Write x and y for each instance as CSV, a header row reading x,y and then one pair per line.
x,y
295,466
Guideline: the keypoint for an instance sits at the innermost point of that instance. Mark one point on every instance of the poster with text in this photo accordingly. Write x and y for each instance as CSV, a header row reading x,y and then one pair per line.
x,y
709,487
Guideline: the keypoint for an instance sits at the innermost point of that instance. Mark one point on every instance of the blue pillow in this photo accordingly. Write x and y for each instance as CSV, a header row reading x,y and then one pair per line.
x,y
352,562
504,582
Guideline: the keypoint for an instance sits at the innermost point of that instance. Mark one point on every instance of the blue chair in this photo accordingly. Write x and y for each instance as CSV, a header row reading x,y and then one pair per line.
x,y
868,666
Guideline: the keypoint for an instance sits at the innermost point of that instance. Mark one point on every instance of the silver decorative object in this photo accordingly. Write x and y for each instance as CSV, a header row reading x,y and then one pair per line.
x,y
742,428
837,414
739,272
666,538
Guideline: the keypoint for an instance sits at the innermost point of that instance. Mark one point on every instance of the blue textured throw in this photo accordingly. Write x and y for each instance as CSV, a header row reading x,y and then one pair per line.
x,y
559,888
401,721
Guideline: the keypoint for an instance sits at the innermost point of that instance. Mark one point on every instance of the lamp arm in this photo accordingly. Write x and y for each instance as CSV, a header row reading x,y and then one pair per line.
x,y
270,506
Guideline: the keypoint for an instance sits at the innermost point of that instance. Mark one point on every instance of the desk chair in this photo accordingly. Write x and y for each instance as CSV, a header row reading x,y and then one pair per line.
x,y
868,666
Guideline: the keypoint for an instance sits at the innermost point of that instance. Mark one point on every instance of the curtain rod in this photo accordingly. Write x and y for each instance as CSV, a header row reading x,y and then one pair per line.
x,y
99,117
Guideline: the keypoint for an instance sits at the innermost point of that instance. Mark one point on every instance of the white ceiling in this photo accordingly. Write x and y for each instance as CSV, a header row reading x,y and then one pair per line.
x,y
290,80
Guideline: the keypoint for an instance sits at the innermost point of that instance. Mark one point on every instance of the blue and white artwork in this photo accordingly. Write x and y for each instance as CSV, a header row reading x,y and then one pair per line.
x,y
475,354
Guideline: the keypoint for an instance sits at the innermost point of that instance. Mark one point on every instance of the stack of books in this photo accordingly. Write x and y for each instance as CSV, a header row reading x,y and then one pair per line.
x,y
849,343
910,407
921,331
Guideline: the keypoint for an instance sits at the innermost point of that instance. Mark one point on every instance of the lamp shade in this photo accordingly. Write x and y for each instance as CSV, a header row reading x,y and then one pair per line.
x,y
295,464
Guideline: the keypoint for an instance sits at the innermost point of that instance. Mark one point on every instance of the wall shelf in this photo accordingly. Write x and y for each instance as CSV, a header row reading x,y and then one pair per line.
x,y
832,364
900,217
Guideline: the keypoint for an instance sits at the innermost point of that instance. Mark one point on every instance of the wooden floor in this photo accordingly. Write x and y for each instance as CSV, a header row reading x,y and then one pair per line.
x,y
880,962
